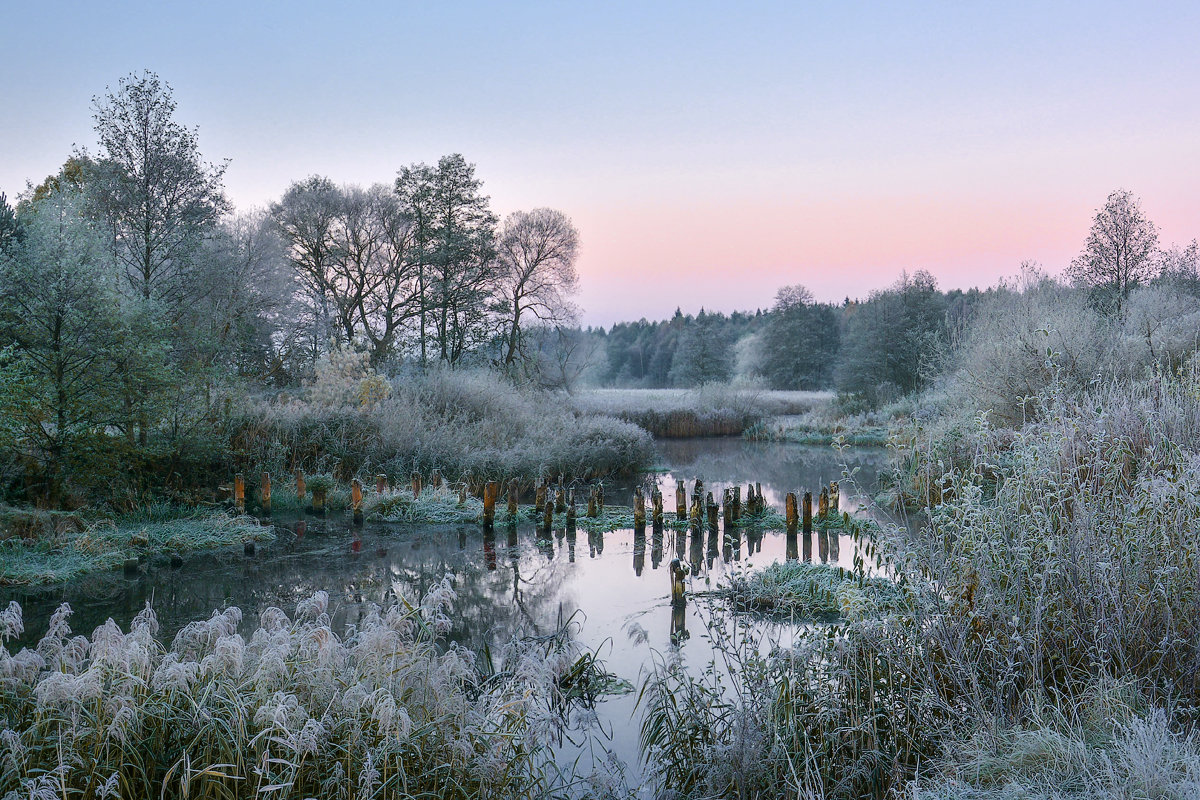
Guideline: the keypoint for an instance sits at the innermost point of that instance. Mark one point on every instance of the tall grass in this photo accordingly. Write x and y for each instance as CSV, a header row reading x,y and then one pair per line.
x,y
292,711
1056,559
459,422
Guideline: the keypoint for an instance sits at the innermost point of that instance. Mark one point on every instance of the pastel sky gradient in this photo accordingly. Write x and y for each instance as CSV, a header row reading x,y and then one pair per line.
x,y
708,152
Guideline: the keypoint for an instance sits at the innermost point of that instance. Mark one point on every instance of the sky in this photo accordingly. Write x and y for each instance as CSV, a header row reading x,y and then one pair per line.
x,y
709,153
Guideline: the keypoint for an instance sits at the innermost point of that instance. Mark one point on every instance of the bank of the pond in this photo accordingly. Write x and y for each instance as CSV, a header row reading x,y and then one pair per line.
x,y
65,550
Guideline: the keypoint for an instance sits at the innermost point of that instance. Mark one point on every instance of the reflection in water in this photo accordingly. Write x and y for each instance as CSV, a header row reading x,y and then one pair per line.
x,y
526,587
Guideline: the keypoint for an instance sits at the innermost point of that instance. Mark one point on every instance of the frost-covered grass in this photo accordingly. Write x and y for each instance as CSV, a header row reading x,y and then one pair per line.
x,y
460,422
1055,558
106,544
292,710
801,589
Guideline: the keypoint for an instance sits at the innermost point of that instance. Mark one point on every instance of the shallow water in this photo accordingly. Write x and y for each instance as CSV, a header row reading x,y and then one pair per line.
x,y
614,586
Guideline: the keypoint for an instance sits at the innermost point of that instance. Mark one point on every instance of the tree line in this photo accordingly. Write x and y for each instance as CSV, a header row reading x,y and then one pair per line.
x,y
133,297
900,338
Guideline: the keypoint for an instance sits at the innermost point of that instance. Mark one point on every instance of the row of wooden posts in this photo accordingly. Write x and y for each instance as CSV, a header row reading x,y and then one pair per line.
x,y
562,500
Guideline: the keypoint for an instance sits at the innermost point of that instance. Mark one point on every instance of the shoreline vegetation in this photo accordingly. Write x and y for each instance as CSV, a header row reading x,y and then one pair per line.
x,y
292,709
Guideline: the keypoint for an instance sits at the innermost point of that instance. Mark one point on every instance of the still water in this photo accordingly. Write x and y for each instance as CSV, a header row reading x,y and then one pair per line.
x,y
514,582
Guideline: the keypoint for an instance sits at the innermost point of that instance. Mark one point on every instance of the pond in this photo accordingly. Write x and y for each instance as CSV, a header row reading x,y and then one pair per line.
x,y
614,587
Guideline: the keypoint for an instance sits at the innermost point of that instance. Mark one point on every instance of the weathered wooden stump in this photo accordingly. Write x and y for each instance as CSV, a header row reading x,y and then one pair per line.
x,y
807,519
318,504
727,509
560,498
592,510
823,505
513,493
547,517
737,503
416,485
657,500
639,509
571,507
490,491
381,483
835,498
435,479
679,571
356,498
300,488
789,513
239,492
713,512
680,501
539,497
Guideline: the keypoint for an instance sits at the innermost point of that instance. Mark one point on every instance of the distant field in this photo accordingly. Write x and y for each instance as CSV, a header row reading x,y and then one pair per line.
x,y
708,411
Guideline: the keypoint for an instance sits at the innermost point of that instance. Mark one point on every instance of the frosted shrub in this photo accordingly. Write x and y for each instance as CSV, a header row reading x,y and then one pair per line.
x,y
295,712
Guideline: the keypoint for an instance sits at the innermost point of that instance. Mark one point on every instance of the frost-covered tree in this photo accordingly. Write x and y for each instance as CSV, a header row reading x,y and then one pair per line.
x,y
60,315
157,196
454,236
537,276
1120,250
704,354
799,342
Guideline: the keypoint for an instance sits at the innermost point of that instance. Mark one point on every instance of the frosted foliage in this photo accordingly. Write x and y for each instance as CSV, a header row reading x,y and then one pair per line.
x,y
309,709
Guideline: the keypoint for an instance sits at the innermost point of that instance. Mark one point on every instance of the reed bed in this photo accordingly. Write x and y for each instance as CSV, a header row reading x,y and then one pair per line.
x,y
293,711
805,590
712,410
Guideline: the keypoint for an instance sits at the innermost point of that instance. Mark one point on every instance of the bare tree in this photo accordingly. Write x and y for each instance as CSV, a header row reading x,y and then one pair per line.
x,y
537,251
1120,251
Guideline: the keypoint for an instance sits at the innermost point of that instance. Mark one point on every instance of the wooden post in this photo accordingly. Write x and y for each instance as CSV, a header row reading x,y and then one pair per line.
x,y
300,487
759,505
571,507
592,511
680,501
657,500
560,498
737,503
789,511
727,508
678,572
356,497
435,479
713,512
807,519
513,490
490,491
698,491
835,498
266,494
696,513
823,505
639,509
381,484
416,485
600,497
548,517
239,493
318,500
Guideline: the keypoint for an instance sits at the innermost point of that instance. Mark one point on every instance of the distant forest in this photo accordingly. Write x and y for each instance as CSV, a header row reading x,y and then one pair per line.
x,y
880,347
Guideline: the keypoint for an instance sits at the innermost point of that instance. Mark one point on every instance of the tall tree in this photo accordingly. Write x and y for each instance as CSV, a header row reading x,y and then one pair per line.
x,y
1120,250
157,196
454,233
59,311
537,276
800,341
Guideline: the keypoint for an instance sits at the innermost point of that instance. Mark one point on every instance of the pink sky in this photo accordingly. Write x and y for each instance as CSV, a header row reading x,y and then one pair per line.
x,y
708,152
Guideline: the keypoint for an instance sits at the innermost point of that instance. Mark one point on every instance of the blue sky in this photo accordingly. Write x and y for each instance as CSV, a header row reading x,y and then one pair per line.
x,y
708,152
